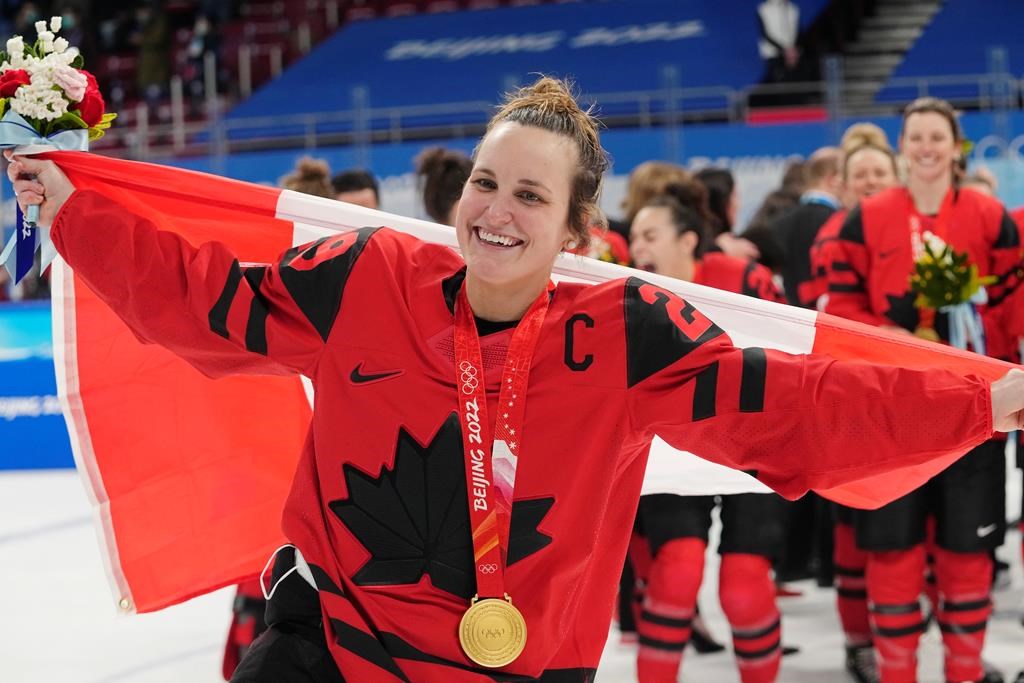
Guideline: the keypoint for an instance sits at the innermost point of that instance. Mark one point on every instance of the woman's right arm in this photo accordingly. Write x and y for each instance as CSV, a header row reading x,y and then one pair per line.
x,y
222,316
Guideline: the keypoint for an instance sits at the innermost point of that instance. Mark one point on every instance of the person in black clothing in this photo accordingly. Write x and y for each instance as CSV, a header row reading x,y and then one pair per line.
x,y
795,230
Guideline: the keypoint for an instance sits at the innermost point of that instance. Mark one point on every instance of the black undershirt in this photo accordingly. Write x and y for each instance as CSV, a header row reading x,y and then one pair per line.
x,y
450,288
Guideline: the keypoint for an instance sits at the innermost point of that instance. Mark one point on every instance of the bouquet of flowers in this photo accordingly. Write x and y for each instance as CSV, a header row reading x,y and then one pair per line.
x,y
45,84
946,280
47,102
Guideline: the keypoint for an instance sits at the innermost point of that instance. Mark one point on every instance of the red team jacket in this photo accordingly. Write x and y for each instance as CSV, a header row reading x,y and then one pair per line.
x,y
378,505
869,279
824,252
738,275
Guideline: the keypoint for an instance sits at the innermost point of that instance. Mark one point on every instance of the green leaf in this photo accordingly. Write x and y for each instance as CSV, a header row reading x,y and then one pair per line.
x,y
78,62
95,133
69,120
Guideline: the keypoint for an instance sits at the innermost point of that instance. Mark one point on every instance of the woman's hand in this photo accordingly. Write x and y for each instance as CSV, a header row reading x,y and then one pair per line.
x,y
739,247
41,182
1008,402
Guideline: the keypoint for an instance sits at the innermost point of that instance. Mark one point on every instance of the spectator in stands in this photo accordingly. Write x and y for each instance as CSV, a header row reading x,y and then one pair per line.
x,y
724,202
795,230
357,186
204,41
779,24
442,173
151,36
24,22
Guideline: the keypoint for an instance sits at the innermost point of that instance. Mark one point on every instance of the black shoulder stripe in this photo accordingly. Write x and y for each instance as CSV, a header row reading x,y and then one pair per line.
x,y
705,393
842,267
661,328
853,227
317,291
1009,234
218,316
748,286
752,384
256,326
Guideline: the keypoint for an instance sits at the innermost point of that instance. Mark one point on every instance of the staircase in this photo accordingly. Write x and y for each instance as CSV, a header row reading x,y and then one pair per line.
x,y
882,42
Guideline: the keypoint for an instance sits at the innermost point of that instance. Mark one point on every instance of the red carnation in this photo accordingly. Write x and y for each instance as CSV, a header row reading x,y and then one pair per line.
x,y
11,80
92,107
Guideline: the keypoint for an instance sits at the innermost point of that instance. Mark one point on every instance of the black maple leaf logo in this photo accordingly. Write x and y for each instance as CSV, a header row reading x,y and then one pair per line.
x,y
414,518
902,310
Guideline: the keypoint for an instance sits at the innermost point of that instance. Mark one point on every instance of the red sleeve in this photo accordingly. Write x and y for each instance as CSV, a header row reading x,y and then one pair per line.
x,y
222,316
758,282
848,274
796,422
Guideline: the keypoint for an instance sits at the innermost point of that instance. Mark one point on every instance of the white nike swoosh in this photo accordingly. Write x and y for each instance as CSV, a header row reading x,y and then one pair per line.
x,y
984,531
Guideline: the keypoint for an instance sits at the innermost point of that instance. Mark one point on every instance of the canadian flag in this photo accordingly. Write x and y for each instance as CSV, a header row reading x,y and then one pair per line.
x,y
188,475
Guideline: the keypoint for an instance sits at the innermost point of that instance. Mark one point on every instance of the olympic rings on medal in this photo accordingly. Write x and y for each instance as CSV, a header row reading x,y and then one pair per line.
x,y
488,568
468,377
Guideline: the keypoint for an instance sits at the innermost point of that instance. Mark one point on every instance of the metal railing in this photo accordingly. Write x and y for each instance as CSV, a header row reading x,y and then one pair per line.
x,y
136,137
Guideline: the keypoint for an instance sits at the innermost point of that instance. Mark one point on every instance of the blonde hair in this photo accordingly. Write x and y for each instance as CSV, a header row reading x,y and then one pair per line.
x,y
549,104
310,176
861,136
649,180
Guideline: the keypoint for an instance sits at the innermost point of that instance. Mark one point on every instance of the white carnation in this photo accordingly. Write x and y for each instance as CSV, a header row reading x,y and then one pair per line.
x,y
55,24
38,100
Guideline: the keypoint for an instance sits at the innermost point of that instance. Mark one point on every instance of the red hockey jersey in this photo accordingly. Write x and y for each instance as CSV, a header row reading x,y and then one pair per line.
x,y
738,275
869,280
378,505
824,252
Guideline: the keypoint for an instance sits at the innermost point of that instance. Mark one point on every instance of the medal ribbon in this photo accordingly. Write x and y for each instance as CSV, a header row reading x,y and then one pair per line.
x,y
492,455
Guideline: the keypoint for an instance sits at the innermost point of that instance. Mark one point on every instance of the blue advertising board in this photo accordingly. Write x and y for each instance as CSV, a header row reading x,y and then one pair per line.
x,y
32,430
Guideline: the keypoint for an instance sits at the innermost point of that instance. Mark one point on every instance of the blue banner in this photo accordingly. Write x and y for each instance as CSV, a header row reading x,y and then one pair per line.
x,y
32,430
618,45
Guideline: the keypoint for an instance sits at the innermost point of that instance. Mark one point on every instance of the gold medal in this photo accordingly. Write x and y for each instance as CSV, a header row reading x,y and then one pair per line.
x,y
492,632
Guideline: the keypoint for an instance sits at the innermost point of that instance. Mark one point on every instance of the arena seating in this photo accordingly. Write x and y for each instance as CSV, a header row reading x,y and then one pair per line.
x,y
957,43
433,56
